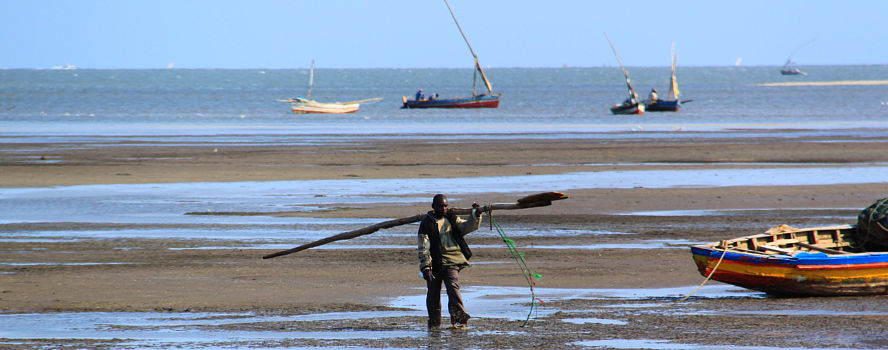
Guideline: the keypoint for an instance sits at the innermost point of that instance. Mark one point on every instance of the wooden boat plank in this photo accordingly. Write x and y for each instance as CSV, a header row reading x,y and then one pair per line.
x,y
822,249
774,249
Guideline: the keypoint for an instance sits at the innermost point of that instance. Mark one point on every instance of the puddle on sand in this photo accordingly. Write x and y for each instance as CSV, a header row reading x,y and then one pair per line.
x,y
513,302
142,327
667,345
832,313
594,320
737,211
176,329
166,203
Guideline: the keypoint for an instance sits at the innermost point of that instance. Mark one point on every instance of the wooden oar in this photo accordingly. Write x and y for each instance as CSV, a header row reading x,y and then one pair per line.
x,y
532,201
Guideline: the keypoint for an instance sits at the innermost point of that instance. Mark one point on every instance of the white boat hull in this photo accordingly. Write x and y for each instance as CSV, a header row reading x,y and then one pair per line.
x,y
308,106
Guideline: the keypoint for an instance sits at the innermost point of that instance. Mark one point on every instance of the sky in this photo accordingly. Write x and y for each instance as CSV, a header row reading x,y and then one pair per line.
x,y
277,34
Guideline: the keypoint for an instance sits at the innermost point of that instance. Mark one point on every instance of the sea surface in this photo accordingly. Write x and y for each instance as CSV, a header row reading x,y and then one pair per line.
x,y
545,102
240,106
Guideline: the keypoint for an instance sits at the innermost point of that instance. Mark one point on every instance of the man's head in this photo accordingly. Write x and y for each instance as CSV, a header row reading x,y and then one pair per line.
x,y
439,205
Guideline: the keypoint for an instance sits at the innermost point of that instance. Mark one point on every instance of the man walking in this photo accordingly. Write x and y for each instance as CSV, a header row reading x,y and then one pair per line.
x,y
443,252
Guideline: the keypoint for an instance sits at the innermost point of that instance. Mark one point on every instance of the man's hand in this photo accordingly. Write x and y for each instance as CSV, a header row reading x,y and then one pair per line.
x,y
427,275
477,209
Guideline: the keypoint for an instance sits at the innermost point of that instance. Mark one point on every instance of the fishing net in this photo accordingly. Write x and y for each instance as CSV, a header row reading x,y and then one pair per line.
x,y
529,276
872,226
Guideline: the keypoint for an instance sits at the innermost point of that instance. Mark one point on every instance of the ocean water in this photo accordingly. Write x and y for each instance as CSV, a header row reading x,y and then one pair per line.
x,y
215,106
546,102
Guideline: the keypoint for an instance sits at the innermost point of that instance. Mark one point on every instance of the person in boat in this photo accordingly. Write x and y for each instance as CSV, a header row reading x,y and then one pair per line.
x,y
419,96
653,97
443,252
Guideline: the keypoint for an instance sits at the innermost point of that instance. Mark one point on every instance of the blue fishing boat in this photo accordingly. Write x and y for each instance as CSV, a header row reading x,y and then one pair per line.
x,y
488,100
631,105
671,103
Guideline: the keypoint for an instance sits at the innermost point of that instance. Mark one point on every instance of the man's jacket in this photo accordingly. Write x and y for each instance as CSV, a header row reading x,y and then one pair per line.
x,y
442,242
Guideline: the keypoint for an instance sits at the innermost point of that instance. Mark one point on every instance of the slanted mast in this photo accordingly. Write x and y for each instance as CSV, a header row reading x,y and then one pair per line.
x,y
478,68
625,72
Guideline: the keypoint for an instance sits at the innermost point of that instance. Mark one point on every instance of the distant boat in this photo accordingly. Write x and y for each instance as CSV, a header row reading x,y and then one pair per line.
x,y
631,105
304,105
488,100
789,67
65,67
785,261
671,103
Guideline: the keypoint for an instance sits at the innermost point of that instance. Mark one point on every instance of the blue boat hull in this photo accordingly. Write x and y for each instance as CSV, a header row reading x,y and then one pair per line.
x,y
663,106
480,101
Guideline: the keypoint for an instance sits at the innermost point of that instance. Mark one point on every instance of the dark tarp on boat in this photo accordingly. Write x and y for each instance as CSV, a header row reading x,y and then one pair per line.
x,y
872,226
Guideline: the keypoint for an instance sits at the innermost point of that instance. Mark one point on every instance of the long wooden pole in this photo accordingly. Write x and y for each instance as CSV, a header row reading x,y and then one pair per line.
x,y
533,201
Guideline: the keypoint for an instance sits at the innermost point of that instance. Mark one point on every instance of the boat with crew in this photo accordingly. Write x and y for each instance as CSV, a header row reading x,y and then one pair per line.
x,y
483,100
789,68
631,105
671,103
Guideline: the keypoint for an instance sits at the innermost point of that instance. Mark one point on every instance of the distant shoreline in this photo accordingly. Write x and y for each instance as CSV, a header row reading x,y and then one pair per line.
x,y
829,83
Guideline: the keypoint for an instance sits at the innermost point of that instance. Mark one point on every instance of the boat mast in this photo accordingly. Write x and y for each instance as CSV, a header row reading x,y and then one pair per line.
x,y
789,60
311,74
673,84
477,64
625,73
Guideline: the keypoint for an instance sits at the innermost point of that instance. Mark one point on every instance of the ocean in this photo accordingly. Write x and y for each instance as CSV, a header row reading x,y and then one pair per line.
x,y
546,102
233,106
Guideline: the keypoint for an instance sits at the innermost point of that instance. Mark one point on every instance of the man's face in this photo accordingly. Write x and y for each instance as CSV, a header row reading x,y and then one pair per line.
x,y
439,205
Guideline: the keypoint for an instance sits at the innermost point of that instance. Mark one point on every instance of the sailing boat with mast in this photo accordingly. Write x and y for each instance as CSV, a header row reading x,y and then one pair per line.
x,y
789,67
631,105
671,103
303,105
488,100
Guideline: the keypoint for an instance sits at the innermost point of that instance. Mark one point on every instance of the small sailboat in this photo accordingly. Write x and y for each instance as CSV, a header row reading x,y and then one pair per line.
x,y
488,100
303,105
789,68
671,103
631,105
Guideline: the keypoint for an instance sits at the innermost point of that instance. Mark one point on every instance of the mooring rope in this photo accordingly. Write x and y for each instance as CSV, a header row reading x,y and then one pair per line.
x,y
519,258
725,252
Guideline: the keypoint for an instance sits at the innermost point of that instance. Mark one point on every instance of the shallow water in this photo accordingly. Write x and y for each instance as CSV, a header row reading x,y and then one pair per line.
x,y
166,203
668,345
199,328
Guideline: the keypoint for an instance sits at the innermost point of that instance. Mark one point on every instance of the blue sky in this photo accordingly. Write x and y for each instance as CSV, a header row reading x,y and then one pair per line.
x,y
420,33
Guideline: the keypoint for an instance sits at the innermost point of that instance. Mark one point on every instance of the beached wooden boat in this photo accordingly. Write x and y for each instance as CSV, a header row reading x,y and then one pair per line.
x,y
671,103
786,261
488,100
631,105
303,105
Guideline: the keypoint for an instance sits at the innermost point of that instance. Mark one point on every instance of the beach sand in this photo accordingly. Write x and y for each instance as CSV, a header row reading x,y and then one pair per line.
x,y
147,275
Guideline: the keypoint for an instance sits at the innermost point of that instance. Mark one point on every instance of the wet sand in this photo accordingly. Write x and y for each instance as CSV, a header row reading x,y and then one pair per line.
x,y
141,275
